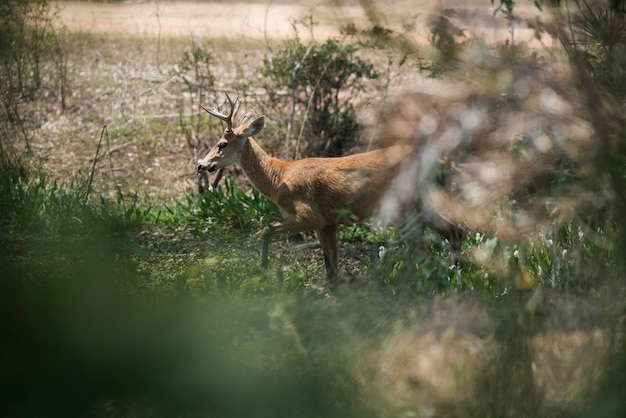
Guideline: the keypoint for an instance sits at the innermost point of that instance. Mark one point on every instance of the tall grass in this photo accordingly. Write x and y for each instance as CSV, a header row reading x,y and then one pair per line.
x,y
231,205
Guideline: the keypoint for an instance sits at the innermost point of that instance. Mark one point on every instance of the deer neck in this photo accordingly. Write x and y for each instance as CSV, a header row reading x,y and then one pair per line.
x,y
263,171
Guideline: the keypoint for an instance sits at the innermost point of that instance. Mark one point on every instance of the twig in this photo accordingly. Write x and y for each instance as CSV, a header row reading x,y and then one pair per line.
x,y
95,160
158,18
109,151
218,177
308,106
294,98
116,148
268,42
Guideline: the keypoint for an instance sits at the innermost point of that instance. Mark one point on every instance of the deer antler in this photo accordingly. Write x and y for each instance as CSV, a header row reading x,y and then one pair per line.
x,y
228,119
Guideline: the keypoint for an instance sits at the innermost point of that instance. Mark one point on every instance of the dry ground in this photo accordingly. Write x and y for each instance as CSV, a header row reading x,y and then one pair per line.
x,y
122,55
274,19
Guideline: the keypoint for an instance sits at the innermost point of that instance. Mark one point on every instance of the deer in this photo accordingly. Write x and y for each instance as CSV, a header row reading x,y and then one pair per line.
x,y
313,194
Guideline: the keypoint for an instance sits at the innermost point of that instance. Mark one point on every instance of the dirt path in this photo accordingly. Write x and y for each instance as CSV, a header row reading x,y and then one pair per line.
x,y
214,19
258,19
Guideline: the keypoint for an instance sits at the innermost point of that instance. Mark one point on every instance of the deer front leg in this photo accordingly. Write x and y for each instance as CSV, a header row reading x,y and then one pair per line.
x,y
328,241
291,225
266,236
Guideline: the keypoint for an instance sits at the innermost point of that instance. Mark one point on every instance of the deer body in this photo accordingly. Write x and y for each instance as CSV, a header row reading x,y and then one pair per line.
x,y
316,191
313,194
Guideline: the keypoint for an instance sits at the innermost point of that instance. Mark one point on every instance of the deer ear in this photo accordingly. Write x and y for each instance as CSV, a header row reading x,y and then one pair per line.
x,y
247,118
254,127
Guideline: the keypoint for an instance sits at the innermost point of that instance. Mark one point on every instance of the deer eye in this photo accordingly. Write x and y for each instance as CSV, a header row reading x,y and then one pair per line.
x,y
222,145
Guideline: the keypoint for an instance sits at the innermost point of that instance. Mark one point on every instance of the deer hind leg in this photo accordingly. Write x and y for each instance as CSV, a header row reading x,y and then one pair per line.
x,y
328,241
452,232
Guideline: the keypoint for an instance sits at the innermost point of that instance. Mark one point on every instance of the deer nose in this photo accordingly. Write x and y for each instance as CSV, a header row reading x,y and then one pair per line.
x,y
210,168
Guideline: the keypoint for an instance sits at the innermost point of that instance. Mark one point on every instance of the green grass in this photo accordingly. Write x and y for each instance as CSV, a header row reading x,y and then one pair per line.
x,y
224,227
122,309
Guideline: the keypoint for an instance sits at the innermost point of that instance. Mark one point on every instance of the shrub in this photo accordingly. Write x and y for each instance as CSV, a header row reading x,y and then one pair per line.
x,y
197,80
26,37
444,35
323,79
602,46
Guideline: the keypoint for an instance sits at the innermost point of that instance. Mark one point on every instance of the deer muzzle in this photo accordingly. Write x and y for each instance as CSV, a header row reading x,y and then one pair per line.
x,y
206,167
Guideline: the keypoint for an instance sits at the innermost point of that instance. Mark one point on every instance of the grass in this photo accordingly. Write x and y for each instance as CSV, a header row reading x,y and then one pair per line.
x,y
223,228
134,167
141,321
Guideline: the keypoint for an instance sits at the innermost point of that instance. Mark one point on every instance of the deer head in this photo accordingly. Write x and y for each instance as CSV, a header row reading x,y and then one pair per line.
x,y
227,151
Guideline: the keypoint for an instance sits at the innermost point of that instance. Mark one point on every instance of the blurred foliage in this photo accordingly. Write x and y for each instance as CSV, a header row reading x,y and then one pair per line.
x,y
59,219
446,38
83,348
603,46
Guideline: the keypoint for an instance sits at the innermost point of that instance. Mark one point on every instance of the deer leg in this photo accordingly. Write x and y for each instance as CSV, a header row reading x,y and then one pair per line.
x,y
291,225
453,233
266,236
328,240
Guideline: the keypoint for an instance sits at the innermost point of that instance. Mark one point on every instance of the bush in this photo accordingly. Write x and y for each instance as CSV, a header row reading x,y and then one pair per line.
x,y
197,81
323,79
602,46
27,36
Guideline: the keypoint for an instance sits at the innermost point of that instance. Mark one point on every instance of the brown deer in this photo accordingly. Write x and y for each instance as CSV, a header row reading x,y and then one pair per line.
x,y
313,194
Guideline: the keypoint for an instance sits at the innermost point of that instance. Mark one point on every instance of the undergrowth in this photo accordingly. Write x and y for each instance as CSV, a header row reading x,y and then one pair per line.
x,y
228,217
